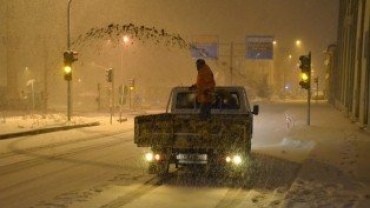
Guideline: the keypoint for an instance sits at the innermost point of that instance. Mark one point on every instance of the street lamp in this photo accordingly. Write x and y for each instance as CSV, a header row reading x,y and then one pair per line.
x,y
125,39
298,43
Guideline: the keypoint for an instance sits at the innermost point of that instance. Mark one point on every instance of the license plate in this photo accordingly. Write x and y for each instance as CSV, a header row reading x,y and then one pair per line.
x,y
192,157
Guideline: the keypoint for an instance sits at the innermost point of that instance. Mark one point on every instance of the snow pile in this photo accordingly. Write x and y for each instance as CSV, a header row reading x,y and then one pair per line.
x,y
297,143
27,122
30,121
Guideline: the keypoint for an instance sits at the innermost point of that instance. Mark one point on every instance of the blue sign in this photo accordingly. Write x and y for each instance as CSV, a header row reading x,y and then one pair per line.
x,y
259,47
204,47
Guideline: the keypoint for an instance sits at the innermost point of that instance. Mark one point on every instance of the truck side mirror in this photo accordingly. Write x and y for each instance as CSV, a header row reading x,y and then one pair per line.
x,y
256,109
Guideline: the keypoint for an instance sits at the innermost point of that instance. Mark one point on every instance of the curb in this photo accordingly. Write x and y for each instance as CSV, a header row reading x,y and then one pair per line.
x,y
46,130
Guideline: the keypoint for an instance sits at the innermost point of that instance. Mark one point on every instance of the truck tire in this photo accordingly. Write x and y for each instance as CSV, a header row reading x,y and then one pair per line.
x,y
160,168
163,168
152,168
164,165
248,146
249,175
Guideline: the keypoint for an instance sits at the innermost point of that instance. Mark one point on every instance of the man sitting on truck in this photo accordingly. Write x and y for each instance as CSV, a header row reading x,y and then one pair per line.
x,y
204,86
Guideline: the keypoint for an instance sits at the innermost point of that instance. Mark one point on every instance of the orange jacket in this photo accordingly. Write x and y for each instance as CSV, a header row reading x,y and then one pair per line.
x,y
205,84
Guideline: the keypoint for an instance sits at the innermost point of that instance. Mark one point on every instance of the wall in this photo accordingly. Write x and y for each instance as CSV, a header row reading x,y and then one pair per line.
x,y
351,80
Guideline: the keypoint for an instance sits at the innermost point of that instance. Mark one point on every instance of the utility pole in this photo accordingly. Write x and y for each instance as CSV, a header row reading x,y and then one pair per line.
x,y
45,94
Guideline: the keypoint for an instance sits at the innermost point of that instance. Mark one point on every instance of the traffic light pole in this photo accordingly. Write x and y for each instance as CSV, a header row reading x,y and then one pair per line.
x,y
69,87
112,95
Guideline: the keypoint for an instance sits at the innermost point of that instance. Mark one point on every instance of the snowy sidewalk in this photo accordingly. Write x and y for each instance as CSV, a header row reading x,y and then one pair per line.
x,y
336,171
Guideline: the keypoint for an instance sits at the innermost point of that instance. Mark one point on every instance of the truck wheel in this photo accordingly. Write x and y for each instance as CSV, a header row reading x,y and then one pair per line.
x,y
152,168
163,168
248,147
248,176
164,165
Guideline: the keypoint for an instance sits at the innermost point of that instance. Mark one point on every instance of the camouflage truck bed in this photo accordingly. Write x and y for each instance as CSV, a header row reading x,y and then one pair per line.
x,y
188,131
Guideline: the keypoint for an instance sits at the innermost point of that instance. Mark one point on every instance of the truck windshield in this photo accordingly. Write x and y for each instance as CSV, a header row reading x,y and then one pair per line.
x,y
229,100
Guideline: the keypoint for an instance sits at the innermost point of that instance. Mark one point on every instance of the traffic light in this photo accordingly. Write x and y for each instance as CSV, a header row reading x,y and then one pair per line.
x,y
305,63
69,58
305,66
131,84
67,73
109,74
305,81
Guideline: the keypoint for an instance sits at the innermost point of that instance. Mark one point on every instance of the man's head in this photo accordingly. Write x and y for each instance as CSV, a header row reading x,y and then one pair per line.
x,y
200,63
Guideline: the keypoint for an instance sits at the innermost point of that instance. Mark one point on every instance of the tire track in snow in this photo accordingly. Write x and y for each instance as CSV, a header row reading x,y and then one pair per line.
x,y
41,159
144,189
232,198
15,151
274,177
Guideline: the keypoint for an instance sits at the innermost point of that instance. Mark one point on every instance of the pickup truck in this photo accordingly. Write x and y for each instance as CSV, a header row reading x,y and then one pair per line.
x,y
180,137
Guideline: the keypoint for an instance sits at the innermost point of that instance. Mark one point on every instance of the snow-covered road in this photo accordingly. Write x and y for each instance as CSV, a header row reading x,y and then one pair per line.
x,y
323,165
36,169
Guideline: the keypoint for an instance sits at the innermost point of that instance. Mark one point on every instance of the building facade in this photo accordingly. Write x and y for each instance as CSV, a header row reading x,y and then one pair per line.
x,y
348,62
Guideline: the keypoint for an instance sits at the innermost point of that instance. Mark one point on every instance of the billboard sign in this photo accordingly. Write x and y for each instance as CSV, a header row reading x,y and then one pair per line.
x,y
204,47
259,47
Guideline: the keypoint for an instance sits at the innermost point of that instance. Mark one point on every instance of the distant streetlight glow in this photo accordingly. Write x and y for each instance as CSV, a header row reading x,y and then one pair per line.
x,y
290,56
125,39
274,42
298,43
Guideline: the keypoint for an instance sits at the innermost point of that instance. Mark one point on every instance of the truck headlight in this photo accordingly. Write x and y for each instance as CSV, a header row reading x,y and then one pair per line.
x,y
149,157
237,159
